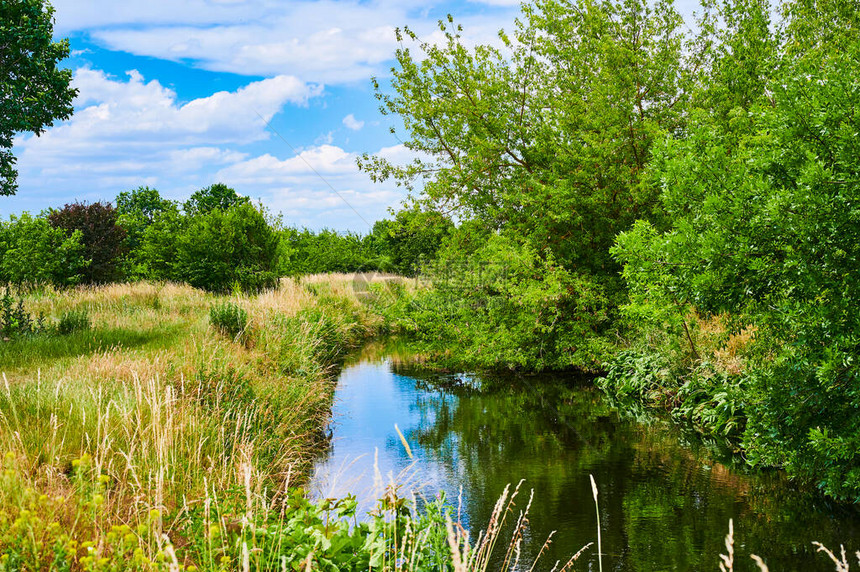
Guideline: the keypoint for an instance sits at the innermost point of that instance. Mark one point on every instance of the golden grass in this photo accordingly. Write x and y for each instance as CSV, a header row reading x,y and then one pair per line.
x,y
168,418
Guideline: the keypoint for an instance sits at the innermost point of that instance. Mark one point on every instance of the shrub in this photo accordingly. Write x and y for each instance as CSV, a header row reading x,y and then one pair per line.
x,y
33,252
102,238
229,319
74,321
220,251
15,320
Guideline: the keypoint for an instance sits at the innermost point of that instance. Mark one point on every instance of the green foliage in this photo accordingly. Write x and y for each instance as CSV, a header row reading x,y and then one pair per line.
x,y
214,197
32,252
102,238
538,148
630,373
74,321
15,320
506,306
159,244
544,139
235,249
34,92
308,252
411,240
763,224
229,318
137,210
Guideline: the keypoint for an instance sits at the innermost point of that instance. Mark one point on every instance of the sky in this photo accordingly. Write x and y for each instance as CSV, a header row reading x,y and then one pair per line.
x,y
271,97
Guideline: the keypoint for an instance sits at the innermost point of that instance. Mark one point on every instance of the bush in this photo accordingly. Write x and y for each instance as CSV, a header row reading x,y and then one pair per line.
x,y
102,238
15,320
228,250
74,321
229,319
33,252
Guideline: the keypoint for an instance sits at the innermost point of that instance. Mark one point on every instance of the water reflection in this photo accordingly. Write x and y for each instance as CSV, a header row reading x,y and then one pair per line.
x,y
666,498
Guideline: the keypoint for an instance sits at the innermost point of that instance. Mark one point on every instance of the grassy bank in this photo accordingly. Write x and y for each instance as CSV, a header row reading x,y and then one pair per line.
x,y
154,433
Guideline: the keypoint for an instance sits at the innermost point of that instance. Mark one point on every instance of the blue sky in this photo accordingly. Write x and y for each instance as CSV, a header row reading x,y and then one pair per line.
x,y
171,94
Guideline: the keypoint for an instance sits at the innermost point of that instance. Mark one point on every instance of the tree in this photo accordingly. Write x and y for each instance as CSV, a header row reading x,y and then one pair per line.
x,y
218,196
227,249
33,252
544,141
34,92
764,226
138,210
411,240
102,237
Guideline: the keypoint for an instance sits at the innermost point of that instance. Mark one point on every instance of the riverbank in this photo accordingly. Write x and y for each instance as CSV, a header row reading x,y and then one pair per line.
x,y
146,433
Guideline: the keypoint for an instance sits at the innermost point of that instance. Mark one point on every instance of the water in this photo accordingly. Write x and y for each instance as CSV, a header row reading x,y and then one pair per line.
x,y
665,496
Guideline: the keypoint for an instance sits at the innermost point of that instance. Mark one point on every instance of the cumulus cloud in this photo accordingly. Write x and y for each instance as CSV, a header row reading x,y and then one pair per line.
x,y
130,131
352,123
328,41
320,187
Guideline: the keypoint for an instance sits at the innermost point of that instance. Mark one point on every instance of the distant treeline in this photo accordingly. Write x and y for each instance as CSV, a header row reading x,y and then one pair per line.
x,y
216,240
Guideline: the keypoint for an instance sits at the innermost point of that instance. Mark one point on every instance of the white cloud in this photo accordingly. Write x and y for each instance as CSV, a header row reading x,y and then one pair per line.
x,y
128,132
320,187
352,123
329,41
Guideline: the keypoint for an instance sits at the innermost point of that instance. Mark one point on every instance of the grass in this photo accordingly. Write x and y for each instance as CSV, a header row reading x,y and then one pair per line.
x,y
162,410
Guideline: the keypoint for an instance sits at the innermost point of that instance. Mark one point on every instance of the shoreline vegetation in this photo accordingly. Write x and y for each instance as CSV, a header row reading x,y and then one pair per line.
x,y
172,429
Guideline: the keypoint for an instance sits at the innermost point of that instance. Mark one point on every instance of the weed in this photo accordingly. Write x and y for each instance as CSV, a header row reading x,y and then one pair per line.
x,y
229,319
74,321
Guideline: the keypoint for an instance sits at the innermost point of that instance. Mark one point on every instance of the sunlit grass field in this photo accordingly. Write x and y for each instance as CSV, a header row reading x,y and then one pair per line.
x,y
152,415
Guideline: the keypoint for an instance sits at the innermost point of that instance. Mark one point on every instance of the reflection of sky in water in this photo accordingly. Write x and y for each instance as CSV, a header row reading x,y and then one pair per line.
x,y
367,454
665,503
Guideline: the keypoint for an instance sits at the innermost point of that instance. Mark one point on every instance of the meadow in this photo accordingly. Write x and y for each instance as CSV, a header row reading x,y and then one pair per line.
x,y
149,432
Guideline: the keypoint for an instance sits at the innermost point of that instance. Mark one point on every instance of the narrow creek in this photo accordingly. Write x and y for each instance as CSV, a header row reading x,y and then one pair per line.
x,y
665,497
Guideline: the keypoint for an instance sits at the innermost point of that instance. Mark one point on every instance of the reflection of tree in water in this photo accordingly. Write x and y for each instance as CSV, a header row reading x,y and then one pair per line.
x,y
663,505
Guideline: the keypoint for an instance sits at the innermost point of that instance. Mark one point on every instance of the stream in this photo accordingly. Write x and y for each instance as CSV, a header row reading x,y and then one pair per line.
x,y
665,494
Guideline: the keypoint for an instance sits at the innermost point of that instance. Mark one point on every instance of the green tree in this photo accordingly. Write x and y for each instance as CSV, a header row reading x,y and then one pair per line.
x,y
411,240
310,252
544,141
765,226
159,244
32,252
218,196
227,249
138,210
34,92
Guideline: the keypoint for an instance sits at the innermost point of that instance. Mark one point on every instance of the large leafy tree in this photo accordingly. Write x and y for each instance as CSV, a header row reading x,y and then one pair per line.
x,y
764,204
34,92
103,239
544,140
214,197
